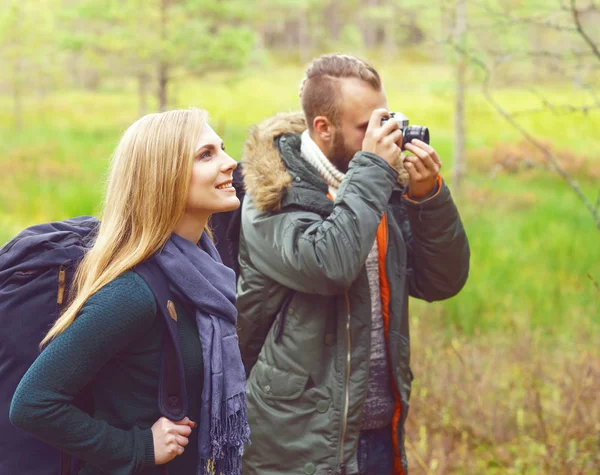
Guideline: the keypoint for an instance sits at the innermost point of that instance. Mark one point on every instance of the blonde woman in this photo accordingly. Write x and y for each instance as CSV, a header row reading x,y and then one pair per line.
x,y
169,173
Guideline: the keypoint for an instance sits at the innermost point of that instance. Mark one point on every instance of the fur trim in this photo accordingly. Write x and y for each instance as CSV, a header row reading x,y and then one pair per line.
x,y
265,175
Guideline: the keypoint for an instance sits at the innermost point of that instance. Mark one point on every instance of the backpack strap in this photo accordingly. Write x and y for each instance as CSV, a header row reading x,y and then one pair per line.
x,y
65,463
172,393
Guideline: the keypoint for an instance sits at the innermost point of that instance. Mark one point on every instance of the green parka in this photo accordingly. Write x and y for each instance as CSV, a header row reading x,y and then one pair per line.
x,y
303,292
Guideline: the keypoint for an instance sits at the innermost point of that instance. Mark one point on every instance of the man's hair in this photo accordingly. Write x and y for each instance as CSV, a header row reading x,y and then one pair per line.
x,y
320,89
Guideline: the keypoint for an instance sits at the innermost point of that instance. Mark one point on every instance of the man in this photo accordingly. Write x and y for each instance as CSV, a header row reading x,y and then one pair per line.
x,y
336,233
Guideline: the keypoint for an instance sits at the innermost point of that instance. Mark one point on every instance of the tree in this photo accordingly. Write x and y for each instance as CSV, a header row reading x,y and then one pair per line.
x,y
520,43
27,49
162,40
461,85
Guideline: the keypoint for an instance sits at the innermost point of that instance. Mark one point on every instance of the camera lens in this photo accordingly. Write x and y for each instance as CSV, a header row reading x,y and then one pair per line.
x,y
415,132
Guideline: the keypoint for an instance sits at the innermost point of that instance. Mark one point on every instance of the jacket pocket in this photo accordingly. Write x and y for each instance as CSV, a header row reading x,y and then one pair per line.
x,y
276,384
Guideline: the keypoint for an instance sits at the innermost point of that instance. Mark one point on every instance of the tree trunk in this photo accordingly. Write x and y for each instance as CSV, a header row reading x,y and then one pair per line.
x,y
18,78
390,46
368,28
18,98
143,93
332,15
261,29
163,80
163,67
459,115
303,36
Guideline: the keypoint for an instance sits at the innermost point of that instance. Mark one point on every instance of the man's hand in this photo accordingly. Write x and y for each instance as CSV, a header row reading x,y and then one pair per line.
x,y
423,168
382,140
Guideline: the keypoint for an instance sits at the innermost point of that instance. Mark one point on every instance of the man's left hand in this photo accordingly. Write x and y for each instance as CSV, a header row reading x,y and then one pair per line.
x,y
423,168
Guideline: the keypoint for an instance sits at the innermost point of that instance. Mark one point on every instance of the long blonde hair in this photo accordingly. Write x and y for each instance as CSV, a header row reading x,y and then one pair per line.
x,y
146,195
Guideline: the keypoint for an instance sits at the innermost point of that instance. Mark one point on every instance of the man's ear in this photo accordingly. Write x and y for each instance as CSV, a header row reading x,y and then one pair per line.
x,y
323,128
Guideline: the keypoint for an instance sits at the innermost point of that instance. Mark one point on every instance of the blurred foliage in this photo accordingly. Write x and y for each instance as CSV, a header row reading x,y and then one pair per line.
x,y
506,371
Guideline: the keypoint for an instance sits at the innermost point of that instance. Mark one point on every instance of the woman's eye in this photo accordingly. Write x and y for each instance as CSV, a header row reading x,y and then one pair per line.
x,y
205,155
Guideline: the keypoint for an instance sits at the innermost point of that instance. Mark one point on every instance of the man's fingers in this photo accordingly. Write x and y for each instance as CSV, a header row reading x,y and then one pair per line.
x,y
395,136
376,116
425,157
416,163
425,146
412,172
429,149
389,126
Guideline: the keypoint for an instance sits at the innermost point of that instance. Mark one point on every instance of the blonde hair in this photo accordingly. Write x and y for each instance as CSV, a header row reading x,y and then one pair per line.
x,y
320,90
146,195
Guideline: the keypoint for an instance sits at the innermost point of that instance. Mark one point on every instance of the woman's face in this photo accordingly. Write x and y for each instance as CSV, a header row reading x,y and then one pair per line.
x,y
211,190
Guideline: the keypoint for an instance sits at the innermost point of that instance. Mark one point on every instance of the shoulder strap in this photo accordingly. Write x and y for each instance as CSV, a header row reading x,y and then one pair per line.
x,y
172,393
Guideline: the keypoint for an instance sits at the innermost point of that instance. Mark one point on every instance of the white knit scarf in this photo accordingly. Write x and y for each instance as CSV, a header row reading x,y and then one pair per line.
x,y
313,155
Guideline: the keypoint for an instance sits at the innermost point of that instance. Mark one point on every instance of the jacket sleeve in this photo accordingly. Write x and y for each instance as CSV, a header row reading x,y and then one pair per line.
x,y
437,245
43,403
307,253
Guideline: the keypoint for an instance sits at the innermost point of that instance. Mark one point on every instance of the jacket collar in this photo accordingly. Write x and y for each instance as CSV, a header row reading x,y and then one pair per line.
x,y
275,174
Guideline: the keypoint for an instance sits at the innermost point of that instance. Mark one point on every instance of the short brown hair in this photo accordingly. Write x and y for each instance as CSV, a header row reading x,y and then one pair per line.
x,y
320,92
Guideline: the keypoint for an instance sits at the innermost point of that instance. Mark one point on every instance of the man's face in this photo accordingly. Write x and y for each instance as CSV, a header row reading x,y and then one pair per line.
x,y
358,101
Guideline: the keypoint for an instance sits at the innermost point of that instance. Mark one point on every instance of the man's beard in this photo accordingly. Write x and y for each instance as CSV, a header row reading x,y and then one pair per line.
x,y
339,154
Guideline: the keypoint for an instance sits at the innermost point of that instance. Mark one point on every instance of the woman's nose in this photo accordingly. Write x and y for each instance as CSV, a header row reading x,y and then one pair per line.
x,y
229,164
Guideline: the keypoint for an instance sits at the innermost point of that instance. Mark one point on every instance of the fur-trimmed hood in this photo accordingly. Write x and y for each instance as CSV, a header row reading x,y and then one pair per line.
x,y
266,176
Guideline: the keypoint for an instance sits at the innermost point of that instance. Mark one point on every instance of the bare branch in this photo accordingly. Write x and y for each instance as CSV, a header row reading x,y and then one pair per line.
x,y
527,54
596,284
562,109
511,120
581,31
539,20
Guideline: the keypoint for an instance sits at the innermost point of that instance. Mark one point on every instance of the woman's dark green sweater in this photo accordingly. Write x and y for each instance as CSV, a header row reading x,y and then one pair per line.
x,y
112,349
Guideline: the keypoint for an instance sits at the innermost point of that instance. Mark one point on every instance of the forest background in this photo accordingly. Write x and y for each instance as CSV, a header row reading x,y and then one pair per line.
x,y
508,372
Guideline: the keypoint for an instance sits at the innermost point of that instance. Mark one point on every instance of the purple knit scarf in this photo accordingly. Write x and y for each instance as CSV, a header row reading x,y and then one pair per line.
x,y
198,273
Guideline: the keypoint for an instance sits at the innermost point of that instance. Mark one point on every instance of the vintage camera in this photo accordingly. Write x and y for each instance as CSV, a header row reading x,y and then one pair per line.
x,y
409,132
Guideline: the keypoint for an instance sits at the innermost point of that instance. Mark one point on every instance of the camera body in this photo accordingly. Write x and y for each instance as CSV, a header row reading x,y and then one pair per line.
x,y
409,132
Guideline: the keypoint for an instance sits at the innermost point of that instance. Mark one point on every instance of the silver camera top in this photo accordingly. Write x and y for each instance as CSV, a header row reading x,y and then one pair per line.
x,y
400,118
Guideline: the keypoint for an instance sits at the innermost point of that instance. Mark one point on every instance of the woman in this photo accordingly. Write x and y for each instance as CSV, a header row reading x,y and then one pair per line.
x,y
169,173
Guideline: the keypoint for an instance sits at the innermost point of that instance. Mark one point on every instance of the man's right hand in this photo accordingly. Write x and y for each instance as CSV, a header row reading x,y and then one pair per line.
x,y
170,438
383,139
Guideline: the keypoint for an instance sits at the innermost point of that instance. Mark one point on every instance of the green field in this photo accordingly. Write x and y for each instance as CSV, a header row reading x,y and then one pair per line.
x,y
507,371
536,251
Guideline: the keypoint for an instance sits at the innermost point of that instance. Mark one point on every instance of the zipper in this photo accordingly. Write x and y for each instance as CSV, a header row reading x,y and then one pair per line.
x,y
392,373
62,277
342,466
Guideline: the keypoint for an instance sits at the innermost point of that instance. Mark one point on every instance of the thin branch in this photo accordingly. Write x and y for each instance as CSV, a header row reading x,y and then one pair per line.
x,y
591,7
418,458
539,20
510,119
562,109
581,31
556,109
596,284
565,176
527,54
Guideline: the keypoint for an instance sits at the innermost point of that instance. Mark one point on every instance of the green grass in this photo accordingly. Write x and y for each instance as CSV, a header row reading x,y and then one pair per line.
x,y
535,250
